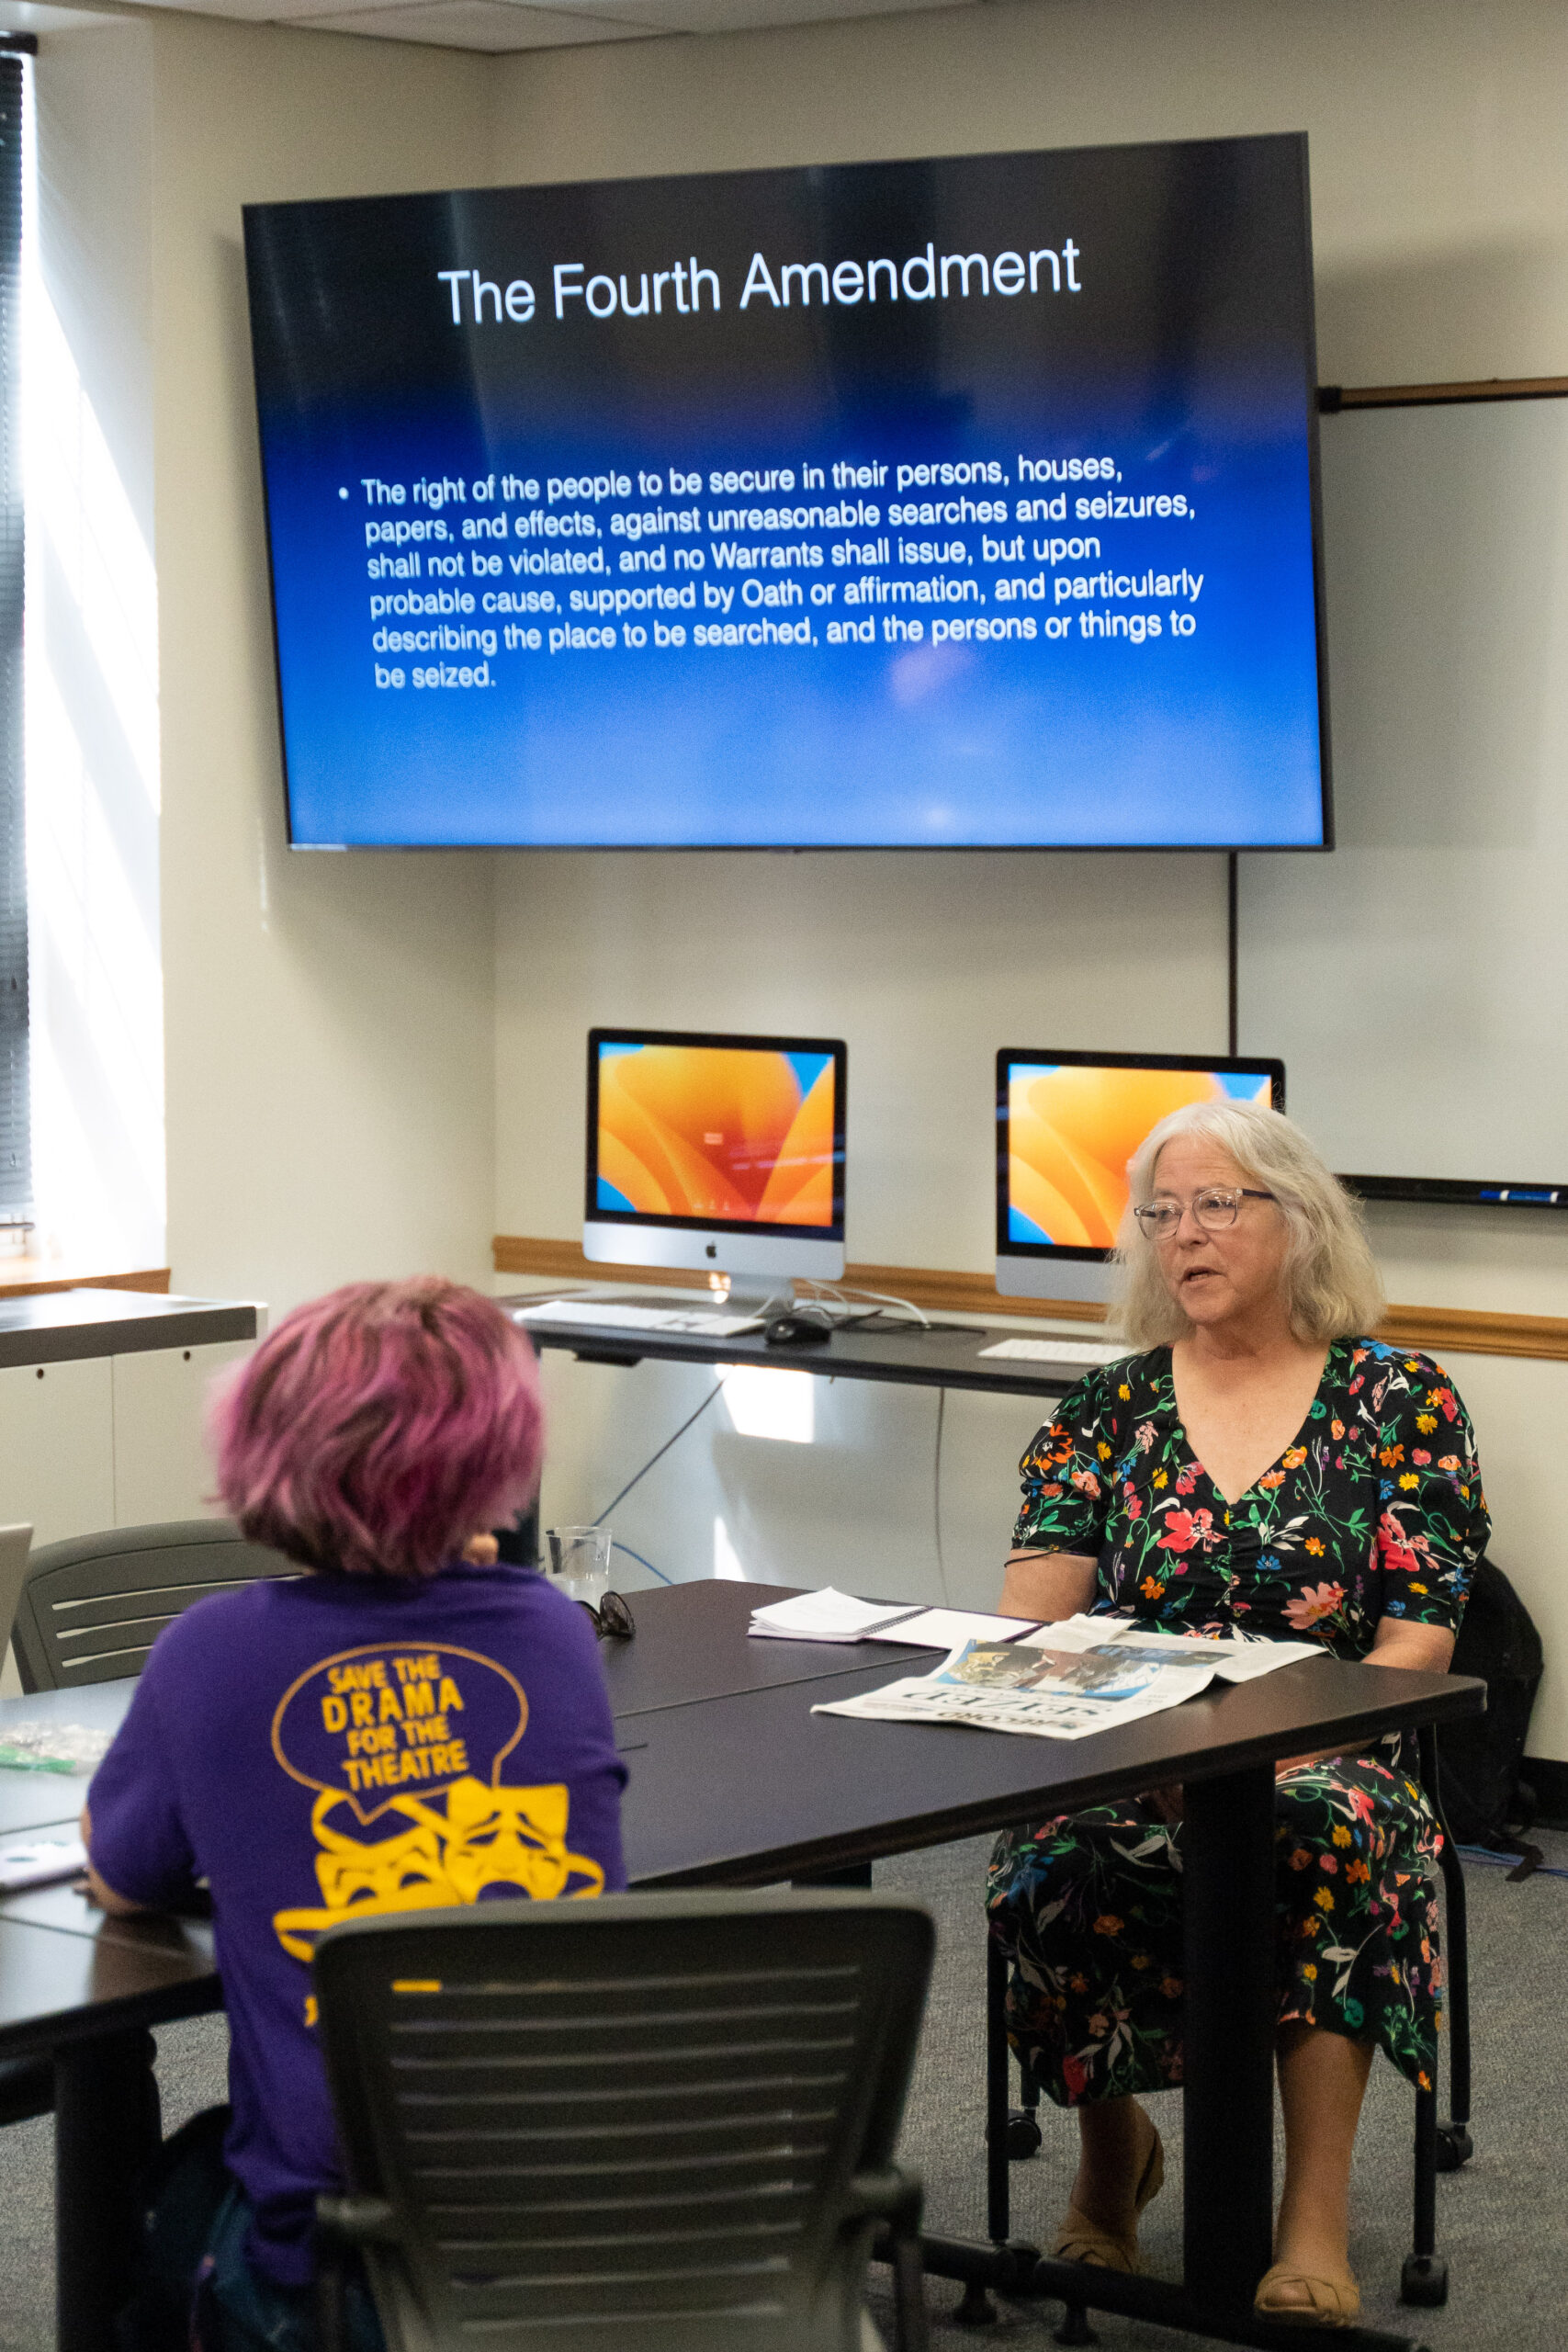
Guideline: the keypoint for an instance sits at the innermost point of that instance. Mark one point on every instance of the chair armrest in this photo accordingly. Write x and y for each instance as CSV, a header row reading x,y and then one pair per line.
x,y
343,2224
888,2194
355,2221
897,2197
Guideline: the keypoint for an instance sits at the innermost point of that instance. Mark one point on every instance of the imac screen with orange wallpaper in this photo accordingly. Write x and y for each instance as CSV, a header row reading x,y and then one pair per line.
x,y
723,1154
1067,1125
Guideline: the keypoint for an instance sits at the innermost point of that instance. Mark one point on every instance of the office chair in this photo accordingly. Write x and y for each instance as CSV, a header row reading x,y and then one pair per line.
x,y
646,2121
1013,2133
91,1608
88,1611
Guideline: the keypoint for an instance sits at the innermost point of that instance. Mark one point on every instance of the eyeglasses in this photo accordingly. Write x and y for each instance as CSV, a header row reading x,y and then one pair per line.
x,y
613,1616
1215,1209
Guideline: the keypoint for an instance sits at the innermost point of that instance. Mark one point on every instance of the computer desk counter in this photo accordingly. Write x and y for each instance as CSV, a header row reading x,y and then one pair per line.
x,y
938,1355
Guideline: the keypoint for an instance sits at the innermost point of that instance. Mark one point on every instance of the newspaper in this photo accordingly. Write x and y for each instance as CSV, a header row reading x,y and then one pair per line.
x,y
1068,1680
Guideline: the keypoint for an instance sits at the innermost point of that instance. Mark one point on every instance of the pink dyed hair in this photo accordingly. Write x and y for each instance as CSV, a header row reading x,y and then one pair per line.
x,y
377,1429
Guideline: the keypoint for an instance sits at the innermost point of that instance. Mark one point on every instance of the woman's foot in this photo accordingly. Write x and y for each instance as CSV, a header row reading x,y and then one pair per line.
x,y
1315,2294
1322,2077
1120,2170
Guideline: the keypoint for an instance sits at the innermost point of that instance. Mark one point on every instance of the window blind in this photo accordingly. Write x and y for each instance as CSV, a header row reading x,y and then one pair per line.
x,y
16,1154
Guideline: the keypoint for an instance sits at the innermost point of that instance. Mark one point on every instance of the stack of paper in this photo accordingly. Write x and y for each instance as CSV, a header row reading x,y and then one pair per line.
x,y
832,1616
829,1616
40,1862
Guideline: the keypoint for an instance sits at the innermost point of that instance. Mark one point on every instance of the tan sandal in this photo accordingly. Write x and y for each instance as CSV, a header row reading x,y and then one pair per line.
x,y
1332,2303
1082,2240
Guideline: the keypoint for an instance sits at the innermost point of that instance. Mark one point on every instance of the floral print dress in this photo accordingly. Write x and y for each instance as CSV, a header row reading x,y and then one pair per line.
x,y
1375,1511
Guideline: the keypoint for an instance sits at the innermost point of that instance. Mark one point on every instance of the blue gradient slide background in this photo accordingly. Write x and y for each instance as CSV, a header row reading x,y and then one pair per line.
x,y
1187,358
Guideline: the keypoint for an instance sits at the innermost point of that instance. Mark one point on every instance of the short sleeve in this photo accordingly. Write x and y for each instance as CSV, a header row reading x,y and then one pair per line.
x,y
1064,1474
1433,1524
140,1846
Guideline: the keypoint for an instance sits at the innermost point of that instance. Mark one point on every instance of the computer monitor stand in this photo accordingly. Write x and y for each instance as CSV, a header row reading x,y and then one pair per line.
x,y
751,1294
1040,1276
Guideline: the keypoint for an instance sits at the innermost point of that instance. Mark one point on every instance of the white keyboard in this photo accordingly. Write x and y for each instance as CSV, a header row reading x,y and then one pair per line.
x,y
1057,1350
703,1323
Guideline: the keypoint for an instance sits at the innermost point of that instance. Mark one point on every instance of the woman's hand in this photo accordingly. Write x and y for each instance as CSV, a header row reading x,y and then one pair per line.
x,y
117,1905
1044,1585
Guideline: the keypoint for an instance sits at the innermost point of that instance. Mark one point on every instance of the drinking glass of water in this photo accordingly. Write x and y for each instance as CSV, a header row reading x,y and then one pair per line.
x,y
577,1559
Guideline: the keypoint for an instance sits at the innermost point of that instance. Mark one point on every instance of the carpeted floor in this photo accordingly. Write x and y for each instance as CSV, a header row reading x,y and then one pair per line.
x,y
1503,2221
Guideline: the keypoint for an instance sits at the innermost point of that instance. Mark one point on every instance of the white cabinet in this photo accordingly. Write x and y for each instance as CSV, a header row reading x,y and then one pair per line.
x,y
56,1446
108,1441
161,1465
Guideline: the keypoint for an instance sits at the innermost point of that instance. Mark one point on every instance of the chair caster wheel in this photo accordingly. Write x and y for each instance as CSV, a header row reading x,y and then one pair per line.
x,y
1024,2136
1424,2281
1455,2146
1074,2328
975,2308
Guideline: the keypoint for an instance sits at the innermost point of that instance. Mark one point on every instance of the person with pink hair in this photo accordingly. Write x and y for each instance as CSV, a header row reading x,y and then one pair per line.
x,y
406,1723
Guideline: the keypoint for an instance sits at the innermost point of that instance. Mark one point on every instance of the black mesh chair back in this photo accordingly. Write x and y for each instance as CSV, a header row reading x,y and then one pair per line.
x,y
92,1608
663,2123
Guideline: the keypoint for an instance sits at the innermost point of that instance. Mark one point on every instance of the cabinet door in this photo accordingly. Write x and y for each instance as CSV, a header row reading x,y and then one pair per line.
x,y
57,1447
162,1466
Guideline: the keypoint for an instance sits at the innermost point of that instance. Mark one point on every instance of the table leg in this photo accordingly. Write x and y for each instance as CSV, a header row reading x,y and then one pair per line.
x,y
1228,2033
105,2128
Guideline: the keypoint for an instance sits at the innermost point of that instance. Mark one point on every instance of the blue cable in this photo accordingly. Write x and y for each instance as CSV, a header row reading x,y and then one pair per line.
x,y
1508,1861
652,1571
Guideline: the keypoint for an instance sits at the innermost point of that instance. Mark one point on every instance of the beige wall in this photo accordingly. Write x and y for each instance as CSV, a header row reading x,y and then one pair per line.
x,y
329,1019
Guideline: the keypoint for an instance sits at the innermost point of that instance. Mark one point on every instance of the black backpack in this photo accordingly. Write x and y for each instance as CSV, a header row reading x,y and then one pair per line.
x,y
1484,1799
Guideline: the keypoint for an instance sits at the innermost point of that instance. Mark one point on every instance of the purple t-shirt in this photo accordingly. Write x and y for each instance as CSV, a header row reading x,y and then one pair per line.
x,y
333,1747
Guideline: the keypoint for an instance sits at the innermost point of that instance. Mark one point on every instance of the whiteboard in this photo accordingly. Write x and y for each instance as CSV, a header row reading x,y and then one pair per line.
x,y
1415,980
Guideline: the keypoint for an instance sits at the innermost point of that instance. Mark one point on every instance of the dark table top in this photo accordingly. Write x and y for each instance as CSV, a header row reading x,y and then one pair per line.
x,y
39,1799
56,1326
734,1782
84,1975
945,1356
752,1789
692,1644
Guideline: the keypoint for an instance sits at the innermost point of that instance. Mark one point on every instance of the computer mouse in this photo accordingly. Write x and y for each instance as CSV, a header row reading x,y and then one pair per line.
x,y
795,1331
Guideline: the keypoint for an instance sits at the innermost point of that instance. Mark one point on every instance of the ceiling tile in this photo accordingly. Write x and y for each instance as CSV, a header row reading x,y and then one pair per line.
x,y
748,16
462,24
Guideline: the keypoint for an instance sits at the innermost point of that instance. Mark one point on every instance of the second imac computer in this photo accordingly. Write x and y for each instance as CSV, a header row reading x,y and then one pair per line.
x,y
723,1155
1068,1123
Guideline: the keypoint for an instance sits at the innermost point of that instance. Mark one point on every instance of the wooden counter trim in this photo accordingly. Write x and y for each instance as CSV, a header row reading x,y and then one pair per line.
x,y
1438,1330
35,1277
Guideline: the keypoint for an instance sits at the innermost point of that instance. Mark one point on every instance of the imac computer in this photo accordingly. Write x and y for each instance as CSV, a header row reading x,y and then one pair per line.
x,y
1068,1123
724,1155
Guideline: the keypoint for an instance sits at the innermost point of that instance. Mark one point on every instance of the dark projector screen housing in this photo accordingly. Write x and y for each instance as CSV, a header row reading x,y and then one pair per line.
x,y
964,504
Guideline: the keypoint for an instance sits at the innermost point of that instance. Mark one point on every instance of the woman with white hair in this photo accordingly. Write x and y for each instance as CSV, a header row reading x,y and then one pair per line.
x,y
1261,1467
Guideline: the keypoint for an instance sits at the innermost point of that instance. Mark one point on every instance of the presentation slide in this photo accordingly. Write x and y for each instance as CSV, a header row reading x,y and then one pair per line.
x,y
953,503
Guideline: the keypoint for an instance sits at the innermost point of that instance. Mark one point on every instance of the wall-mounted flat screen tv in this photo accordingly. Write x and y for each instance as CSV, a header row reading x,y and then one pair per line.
x,y
958,503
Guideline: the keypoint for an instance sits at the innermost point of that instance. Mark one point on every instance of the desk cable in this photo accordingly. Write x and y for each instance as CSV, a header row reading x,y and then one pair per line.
x,y
638,1476
936,1495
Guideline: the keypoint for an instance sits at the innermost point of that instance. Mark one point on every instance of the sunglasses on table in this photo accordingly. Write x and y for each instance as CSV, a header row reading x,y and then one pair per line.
x,y
1215,1209
612,1617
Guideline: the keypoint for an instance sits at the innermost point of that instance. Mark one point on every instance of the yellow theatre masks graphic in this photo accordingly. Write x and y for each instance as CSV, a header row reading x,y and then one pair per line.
x,y
408,1742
